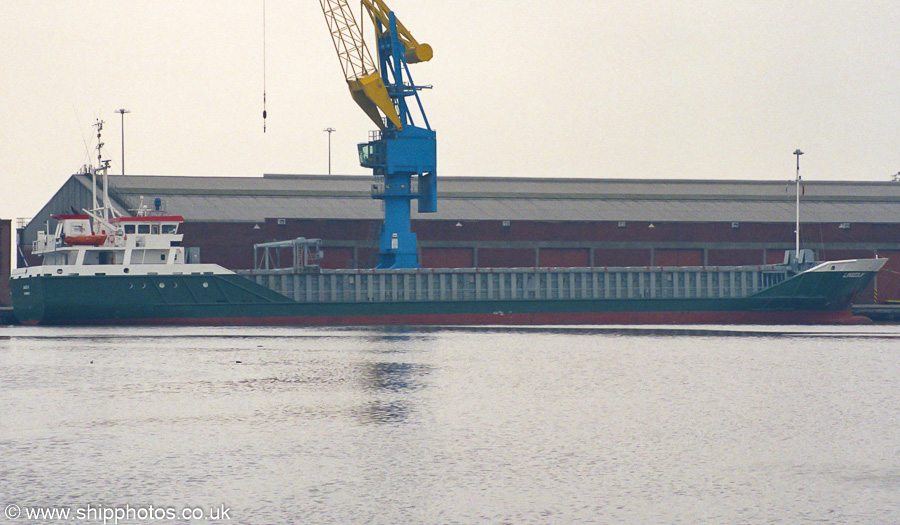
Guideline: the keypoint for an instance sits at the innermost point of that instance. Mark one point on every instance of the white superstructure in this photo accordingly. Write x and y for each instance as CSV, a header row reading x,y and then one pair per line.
x,y
140,245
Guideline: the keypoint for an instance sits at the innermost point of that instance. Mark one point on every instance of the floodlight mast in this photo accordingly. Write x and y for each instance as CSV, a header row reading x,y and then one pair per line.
x,y
122,112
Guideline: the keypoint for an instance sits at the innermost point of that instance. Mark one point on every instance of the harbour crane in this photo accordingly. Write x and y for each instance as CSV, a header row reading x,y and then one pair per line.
x,y
402,152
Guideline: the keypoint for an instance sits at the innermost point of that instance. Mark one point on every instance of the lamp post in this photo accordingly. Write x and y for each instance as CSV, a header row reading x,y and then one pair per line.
x,y
797,153
329,130
122,112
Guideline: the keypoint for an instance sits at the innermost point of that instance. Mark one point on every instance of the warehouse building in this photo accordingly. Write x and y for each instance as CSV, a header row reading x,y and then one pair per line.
x,y
521,222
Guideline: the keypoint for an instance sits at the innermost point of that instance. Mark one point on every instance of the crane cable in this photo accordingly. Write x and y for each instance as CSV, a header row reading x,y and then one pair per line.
x,y
264,66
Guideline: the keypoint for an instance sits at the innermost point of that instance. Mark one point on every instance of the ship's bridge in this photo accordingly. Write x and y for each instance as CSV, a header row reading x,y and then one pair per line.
x,y
151,231
141,240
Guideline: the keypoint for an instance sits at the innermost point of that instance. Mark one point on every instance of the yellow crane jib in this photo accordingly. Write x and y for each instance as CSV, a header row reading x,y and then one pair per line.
x,y
366,85
371,95
414,51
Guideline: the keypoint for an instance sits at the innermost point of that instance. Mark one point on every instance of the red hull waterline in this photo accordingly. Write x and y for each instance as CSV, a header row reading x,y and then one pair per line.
x,y
844,317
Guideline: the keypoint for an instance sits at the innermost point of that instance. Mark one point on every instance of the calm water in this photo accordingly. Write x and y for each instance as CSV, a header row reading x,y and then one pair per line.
x,y
585,425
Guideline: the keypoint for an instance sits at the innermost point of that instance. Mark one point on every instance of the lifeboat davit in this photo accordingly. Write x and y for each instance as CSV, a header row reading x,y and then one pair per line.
x,y
85,240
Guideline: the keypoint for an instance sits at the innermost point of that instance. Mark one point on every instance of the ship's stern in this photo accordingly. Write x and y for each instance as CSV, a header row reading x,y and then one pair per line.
x,y
28,299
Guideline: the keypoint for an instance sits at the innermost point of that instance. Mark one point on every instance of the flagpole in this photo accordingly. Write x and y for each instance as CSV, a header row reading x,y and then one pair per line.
x,y
797,152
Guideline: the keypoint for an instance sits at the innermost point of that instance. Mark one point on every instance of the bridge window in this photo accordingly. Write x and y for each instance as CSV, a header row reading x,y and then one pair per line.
x,y
169,228
100,257
129,228
143,228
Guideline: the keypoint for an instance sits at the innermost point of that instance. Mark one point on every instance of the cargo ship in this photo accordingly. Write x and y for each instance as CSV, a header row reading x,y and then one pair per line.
x,y
101,267
133,270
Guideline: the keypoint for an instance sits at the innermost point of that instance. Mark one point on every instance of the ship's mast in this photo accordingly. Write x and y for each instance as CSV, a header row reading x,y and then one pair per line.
x,y
89,167
102,165
797,152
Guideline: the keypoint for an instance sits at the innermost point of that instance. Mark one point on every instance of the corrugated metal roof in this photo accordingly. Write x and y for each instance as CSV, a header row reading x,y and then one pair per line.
x,y
490,186
237,199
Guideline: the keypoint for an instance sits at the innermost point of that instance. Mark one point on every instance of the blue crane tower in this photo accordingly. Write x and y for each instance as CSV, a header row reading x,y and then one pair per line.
x,y
401,154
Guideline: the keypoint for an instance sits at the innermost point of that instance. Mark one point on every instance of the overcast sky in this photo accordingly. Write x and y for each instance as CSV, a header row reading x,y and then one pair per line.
x,y
634,89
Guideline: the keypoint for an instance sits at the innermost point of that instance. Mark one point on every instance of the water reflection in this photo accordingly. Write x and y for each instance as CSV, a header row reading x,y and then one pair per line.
x,y
393,377
391,385
837,331
460,425
384,412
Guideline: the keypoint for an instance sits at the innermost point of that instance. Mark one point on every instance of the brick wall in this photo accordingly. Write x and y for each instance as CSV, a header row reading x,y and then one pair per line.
x,y
5,263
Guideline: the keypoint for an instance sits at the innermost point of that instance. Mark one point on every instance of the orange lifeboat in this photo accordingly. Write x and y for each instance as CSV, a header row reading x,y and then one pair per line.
x,y
86,240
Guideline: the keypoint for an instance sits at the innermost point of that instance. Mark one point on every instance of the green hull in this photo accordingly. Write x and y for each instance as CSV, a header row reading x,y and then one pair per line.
x,y
812,297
